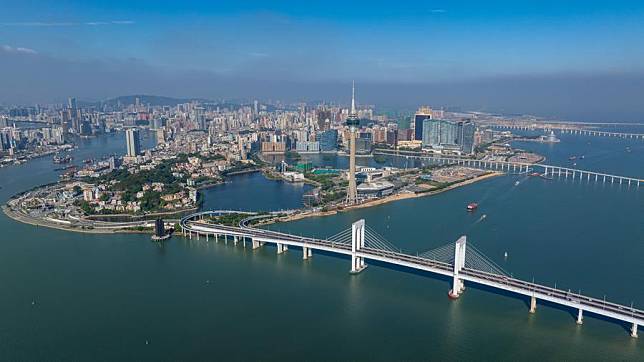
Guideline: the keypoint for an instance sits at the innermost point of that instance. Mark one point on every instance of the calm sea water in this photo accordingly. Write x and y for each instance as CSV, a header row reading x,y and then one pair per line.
x,y
68,296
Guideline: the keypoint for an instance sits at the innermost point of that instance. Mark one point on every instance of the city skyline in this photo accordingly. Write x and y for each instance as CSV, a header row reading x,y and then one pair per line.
x,y
364,180
573,61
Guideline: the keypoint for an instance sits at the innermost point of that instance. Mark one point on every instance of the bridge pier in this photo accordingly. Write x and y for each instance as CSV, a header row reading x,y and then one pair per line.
x,y
533,304
580,317
235,240
634,330
459,263
306,253
357,243
256,244
281,248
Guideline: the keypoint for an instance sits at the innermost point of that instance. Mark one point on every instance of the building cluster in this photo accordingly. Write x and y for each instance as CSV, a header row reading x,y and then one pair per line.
x,y
434,132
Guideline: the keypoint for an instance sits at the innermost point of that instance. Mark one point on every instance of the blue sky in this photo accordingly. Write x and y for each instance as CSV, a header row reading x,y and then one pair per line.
x,y
374,42
412,41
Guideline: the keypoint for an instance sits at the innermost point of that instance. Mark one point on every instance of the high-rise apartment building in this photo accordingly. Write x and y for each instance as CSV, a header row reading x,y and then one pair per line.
x,y
133,142
442,134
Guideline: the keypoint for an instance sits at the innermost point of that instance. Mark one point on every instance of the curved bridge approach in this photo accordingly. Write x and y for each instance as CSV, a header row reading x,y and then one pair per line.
x,y
459,261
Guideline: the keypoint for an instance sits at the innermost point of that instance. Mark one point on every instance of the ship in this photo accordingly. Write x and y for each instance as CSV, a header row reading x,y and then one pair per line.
x,y
472,206
62,159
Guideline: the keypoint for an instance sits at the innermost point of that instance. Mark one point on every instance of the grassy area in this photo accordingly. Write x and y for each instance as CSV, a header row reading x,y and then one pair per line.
x,y
229,219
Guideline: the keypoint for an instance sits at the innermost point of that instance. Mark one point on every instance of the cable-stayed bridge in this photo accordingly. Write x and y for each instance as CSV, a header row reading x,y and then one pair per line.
x,y
459,261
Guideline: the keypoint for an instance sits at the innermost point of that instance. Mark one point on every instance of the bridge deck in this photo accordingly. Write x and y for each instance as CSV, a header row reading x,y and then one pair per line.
x,y
557,296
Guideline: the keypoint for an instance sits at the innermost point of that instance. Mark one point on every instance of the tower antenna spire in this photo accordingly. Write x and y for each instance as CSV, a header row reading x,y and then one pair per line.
x,y
353,97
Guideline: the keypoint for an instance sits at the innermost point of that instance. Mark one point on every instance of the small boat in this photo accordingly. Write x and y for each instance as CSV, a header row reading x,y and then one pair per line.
x,y
472,206
535,174
572,158
505,255
516,183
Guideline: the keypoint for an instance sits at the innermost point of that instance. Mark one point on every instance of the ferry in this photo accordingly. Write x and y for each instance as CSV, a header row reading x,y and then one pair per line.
x,y
472,206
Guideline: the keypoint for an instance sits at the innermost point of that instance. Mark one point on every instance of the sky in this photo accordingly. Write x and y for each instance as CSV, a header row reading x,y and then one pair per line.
x,y
569,59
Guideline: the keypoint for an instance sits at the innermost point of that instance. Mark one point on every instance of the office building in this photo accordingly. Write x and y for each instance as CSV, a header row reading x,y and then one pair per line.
x,y
328,140
423,114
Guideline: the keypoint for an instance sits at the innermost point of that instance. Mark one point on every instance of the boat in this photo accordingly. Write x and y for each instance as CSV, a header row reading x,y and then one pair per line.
x,y
535,174
516,183
472,206
62,159
572,158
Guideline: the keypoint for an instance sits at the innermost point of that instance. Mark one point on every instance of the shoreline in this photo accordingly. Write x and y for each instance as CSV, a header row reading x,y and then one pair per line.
x,y
385,200
62,225
129,229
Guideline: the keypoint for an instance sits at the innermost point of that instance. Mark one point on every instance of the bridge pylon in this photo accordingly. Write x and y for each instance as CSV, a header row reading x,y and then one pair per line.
x,y
459,263
357,243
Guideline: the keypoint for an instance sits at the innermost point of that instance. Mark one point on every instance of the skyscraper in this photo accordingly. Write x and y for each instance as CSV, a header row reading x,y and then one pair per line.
x,y
133,142
352,123
442,134
424,113
71,103
329,141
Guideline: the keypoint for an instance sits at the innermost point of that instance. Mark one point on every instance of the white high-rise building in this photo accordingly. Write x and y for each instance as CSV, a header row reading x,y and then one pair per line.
x,y
133,142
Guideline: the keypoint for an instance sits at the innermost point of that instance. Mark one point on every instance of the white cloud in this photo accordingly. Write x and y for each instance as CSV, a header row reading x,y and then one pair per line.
x,y
10,49
52,24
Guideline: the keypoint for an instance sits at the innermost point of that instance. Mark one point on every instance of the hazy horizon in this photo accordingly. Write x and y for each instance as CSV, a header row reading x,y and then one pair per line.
x,y
579,61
